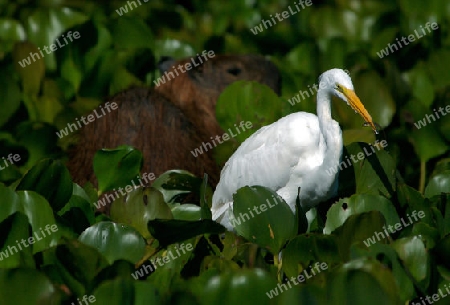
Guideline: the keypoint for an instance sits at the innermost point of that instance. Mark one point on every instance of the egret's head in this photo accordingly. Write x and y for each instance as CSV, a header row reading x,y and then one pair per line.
x,y
339,83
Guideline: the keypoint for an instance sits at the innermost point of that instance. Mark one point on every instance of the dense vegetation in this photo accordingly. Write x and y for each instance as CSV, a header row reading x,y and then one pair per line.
x,y
64,251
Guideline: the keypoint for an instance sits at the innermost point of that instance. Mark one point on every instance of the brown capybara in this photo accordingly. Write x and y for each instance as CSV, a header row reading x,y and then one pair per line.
x,y
168,121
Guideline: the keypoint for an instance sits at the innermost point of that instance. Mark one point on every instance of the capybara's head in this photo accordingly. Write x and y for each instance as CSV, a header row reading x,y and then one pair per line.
x,y
197,89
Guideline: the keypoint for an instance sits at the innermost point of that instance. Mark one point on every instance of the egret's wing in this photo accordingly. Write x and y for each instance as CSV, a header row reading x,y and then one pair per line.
x,y
267,157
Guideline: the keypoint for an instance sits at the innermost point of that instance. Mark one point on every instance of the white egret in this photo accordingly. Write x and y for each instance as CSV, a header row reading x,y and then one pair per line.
x,y
293,152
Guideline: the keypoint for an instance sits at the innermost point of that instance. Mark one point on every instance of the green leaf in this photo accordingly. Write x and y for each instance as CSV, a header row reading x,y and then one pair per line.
x,y
308,249
41,292
365,282
439,68
187,212
9,96
125,291
234,288
427,141
357,204
40,216
52,180
438,183
116,167
388,257
78,264
422,87
173,184
442,251
373,168
78,213
30,69
115,241
130,32
414,256
272,226
10,31
39,139
138,207
123,79
173,48
248,102
45,24
13,230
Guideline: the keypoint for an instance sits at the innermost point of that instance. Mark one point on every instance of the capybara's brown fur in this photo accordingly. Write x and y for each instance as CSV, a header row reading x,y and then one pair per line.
x,y
166,122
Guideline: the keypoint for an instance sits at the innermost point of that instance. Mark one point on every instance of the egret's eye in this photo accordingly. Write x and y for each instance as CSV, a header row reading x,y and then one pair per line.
x,y
339,88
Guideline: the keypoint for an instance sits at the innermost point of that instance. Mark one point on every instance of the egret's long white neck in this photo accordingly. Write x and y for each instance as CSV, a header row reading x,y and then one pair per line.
x,y
324,108
330,130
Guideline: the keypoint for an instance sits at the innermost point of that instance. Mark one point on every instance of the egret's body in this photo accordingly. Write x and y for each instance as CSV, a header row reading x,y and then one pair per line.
x,y
296,151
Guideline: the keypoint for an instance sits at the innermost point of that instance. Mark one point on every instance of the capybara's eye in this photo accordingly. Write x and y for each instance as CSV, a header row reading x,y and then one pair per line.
x,y
234,71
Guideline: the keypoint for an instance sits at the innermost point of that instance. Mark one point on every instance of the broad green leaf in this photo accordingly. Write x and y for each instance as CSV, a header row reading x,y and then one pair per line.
x,y
308,249
115,241
262,217
366,228
387,256
381,40
123,79
138,207
117,167
45,25
39,139
429,235
16,250
78,213
244,107
442,251
41,292
422,87
174,257
373,167
125,291
356,204
297,59
9,97
363,281
187,212
51,179
30,69
10,31
129,32
173,48
234,288
174,184
304,294
439,68
40,216
427,141
358,135
77,264
414,256
438,183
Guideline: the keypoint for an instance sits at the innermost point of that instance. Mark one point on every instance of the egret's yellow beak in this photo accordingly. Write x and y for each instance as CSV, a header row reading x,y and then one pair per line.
x,y
355,103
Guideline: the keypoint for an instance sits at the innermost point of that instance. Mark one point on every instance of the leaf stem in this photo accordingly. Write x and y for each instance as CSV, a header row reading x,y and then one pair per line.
x,y
423,170
277,263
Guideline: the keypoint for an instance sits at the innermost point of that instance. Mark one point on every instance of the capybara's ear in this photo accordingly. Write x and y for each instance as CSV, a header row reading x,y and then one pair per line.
x,y
165,63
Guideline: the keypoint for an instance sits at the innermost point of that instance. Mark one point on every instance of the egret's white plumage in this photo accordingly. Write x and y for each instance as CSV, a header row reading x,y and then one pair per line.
x,y
296,151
